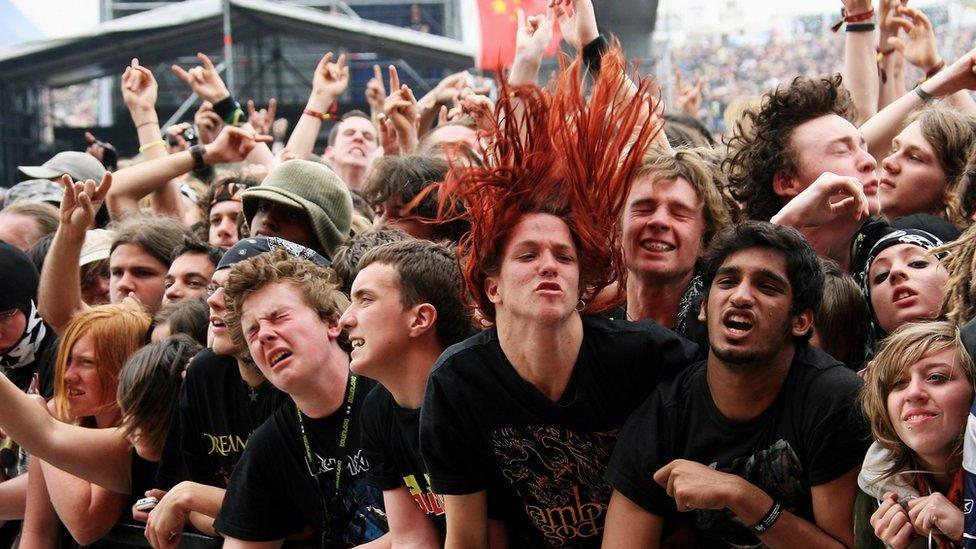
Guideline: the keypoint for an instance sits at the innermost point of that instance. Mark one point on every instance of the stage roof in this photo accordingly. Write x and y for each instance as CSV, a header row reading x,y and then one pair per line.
x,y
182,29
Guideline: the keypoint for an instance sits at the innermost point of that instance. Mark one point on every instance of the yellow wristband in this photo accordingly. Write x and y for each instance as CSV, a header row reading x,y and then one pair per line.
x,y
148,146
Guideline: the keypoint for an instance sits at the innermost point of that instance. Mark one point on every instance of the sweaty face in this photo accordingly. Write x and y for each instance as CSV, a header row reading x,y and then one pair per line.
x,y
82,383
355,143
288,341
223,223
217,335
912,178
539,275
272,219
663,226
136,272
748,311
928,406
907,283
188,277
832,144
376,321
13,322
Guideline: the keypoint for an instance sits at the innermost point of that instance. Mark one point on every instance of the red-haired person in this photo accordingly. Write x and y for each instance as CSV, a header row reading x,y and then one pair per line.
x,y
519,420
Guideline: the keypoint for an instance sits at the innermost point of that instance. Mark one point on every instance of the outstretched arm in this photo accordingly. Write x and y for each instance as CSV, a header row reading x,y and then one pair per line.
x,y
531,39
59,291
860,66
329,82
102,456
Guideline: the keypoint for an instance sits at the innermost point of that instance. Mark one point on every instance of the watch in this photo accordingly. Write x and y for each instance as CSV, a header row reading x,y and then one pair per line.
x,y
196,152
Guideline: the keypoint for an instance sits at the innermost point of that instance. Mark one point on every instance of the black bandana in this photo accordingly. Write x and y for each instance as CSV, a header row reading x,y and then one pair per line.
x,y
250,247
18,290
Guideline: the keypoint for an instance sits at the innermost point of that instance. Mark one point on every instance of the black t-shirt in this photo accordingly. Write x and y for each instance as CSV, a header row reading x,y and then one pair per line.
x,y
810,435
391,444
217,413
483,427
273,495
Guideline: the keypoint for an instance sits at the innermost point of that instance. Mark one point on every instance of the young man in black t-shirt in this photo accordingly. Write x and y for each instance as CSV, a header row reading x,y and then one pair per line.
x,y
761,443
406,309
305,465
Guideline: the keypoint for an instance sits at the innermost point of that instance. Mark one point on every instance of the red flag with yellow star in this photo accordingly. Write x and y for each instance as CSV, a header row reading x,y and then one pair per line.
x,y
498,28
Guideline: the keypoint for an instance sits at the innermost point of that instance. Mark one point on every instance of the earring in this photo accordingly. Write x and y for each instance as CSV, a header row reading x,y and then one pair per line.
x,y
580,306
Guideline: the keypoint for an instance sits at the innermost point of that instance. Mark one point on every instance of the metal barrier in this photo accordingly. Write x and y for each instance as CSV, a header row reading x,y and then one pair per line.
x,y
126,535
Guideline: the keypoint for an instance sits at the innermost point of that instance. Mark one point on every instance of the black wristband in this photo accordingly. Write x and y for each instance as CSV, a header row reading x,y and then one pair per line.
x,y
196,152
230,111
767,521
859,27
593,53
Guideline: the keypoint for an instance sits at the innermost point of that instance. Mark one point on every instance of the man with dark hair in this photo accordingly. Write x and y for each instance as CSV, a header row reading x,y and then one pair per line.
x,y
800,132
762,438
352,145
346,262
393,184
302,202
305,464
191,269
406,309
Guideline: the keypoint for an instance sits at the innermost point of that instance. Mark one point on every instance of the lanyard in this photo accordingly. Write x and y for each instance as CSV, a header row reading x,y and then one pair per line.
x,y
340,462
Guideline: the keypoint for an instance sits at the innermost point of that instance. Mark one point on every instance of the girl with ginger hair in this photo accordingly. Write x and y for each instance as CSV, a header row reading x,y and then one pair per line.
x,y
520,420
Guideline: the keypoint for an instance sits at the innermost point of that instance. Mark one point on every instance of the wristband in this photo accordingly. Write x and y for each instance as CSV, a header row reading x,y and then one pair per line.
x,y
856,18
593,53
148,146
926,96
156,122
230,111
317,114
767,521
859,27
196,152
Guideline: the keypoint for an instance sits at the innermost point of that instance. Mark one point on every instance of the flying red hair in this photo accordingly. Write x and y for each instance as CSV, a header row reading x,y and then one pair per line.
x,y
552,150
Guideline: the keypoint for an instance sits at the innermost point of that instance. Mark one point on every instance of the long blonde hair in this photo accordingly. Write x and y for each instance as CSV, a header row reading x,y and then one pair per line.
x,y
905,346
117,331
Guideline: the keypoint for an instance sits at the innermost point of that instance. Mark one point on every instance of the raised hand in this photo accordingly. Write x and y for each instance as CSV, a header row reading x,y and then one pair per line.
x,y
920,49
176,130
577,21
388,135
829,198
233,145
204,80
687,99
208,123
329,81
534,34
261,120
400,108
376,90
81,202
139,89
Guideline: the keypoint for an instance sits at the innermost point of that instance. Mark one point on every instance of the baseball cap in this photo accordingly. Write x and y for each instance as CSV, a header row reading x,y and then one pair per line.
x,y
80,166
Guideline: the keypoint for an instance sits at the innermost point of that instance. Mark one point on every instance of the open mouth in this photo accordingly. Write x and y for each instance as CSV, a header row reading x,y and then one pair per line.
x,y
74,393
357,342
217,322
548,287
278,357
737,324
901,295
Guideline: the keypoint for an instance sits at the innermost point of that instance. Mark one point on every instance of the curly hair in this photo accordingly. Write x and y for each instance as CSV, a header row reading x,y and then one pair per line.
x,y
554,151
317,284
959,305
757,155
904,347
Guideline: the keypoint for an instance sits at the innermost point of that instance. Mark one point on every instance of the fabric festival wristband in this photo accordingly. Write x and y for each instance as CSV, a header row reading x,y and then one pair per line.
x,y
152,144
230,111
859,27
317,114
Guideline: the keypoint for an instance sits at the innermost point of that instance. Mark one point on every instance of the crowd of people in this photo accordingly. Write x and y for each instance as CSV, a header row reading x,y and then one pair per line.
x,y
566,317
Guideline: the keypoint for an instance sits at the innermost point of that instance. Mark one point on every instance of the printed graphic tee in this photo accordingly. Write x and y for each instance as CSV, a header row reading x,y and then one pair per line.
x,y
273,494
811,434
541,462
